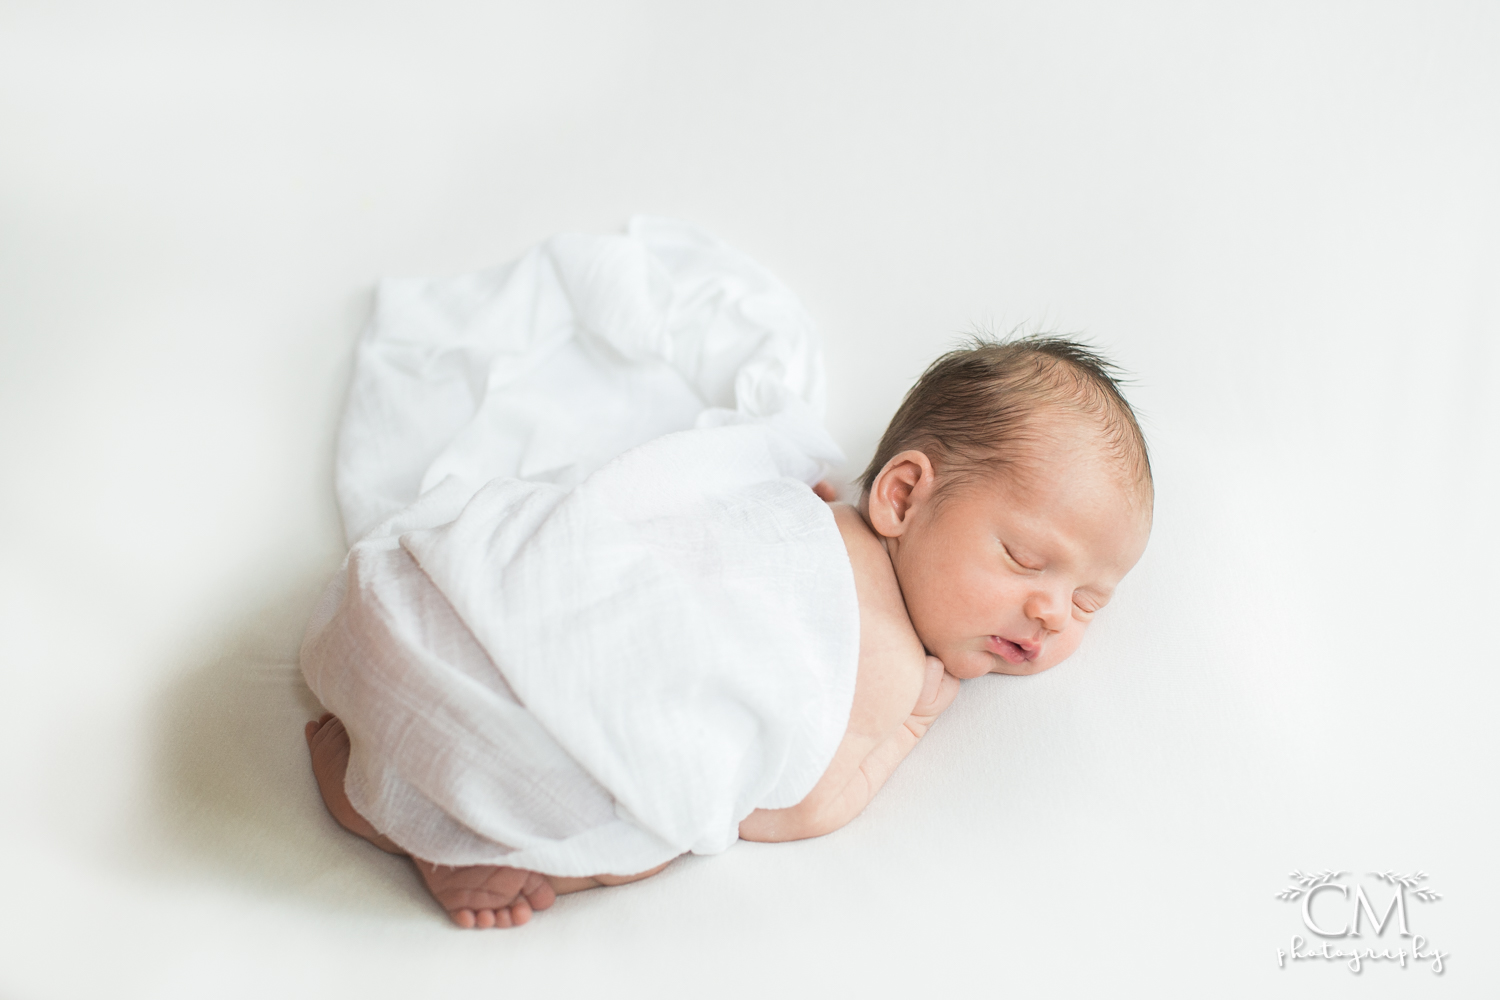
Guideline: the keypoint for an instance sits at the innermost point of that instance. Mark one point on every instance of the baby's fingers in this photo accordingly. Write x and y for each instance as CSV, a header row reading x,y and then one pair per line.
x,y
947,692
939,688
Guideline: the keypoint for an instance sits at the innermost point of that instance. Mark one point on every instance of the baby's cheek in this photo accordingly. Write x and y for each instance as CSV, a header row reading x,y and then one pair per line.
x,y
1066,644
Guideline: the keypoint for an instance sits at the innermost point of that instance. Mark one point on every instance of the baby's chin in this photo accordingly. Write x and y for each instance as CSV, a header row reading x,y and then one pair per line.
x,y
1023,670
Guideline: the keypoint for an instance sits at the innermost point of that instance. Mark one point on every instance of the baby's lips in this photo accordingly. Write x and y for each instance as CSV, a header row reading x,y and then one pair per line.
x,y
1014,652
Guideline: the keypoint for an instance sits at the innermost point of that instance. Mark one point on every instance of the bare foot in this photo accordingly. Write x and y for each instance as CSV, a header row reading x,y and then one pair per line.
x,y
487,895
473,895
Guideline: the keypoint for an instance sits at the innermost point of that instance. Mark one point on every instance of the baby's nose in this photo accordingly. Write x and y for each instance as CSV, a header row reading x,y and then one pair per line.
x,y
1047,608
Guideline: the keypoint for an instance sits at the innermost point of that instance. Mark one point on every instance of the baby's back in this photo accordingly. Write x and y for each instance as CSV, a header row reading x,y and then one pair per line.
x,y
683,626
895,675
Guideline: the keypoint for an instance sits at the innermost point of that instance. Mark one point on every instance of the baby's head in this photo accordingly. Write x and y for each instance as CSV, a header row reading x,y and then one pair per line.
x,y
1013,491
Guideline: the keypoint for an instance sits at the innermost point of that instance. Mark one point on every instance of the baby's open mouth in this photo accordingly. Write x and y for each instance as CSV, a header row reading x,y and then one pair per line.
x,y
1013,652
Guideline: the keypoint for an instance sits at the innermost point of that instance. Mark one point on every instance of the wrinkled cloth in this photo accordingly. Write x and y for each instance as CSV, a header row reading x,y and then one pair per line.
x,y
546,368
592,615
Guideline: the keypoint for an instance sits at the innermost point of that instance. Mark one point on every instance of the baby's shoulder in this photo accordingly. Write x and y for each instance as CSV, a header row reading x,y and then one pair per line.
x,y
866,553
882,610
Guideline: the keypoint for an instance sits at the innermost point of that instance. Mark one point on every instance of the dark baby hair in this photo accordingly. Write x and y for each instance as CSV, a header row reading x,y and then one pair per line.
x,y
972,410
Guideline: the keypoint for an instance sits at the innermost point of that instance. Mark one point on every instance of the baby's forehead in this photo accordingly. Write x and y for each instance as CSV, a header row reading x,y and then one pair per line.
x,y
1085,509
1084,490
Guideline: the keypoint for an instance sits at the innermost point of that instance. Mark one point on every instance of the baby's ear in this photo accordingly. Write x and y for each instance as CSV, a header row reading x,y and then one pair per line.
x,y
904,483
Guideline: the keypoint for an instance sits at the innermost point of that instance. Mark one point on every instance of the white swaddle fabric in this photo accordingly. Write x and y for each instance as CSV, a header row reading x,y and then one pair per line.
x,y
593,615
548,367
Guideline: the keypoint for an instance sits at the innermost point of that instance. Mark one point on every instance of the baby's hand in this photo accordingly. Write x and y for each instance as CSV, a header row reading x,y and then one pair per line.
x,y
939,688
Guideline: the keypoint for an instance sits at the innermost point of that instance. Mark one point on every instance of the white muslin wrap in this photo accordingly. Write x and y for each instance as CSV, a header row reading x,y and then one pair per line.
x,y
592,615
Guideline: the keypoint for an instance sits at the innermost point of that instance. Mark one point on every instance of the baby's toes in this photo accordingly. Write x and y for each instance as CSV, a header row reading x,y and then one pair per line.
x,y
520,912
484,919
539,894
318,733
464,918
313,727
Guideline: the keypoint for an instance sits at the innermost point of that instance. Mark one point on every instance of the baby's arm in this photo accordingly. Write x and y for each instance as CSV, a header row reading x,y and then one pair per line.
x,y
938,691
833,803
898,693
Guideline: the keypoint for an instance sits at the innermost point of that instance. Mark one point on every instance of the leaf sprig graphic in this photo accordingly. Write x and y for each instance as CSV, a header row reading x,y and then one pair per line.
x,y
1306,882
1410,882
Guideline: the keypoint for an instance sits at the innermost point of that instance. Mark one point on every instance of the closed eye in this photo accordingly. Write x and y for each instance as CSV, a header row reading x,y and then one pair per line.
x,y
1085,607
1018,563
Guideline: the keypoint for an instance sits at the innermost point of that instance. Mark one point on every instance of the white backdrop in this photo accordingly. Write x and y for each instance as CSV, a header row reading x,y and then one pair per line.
x,y
1283,218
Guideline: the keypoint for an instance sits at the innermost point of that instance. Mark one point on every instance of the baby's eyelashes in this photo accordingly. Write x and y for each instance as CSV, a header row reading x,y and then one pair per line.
x,y
1016,561
1084,607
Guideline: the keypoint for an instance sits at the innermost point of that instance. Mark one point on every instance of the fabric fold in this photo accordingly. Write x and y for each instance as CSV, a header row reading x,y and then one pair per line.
x,y
592,615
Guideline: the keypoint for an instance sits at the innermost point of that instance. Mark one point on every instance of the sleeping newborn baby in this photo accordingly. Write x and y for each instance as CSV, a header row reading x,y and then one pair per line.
x,y
553,666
